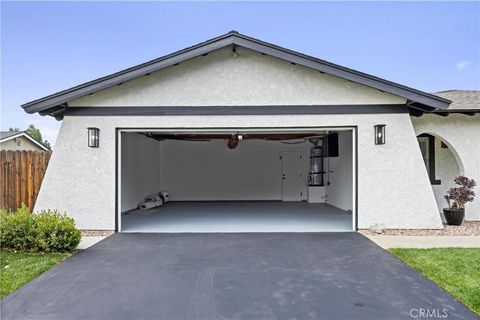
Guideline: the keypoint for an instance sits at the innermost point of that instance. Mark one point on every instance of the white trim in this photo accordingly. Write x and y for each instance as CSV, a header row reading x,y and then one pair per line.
x,y
119,181
229,130
23,134
354,178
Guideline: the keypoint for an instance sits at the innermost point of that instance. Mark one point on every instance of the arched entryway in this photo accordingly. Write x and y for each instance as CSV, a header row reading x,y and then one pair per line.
x,y
442,164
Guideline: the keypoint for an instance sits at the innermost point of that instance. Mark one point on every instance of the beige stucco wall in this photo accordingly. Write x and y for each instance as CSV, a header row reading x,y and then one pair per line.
x,y
462,134
252,79
393,186
25,144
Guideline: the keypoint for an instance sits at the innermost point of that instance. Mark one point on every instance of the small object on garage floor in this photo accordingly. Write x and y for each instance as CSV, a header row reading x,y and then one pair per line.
x,y
151,201
164,196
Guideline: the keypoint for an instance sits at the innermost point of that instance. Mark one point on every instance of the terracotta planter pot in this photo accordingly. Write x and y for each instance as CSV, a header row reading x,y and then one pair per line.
x,y
454,217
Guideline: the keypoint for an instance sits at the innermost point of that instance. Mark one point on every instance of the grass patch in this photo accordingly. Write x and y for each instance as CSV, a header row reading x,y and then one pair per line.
x,y
457,270
18,268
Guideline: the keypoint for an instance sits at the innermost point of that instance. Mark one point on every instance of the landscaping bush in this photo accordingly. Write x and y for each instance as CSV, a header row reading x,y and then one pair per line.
x,y
55,232
47,231
17,230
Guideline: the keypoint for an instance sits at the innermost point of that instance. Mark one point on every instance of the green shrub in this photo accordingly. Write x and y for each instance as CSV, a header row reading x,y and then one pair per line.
x,y
56,232
47,231
17,230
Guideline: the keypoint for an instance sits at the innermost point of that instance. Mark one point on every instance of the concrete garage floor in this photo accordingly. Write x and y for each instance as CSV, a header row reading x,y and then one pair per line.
x,y
231,276
238,216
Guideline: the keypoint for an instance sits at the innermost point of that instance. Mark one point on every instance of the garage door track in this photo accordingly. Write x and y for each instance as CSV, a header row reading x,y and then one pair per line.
x,y
232,276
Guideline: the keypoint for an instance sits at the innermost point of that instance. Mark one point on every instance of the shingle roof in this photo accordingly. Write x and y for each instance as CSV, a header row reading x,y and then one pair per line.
x,y
462,99
6,134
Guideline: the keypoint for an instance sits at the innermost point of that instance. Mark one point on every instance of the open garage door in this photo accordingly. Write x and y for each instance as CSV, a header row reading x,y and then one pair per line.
x,y
236,180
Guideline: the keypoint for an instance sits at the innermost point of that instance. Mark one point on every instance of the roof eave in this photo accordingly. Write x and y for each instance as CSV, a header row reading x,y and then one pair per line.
x,y
342,72
234,38
86,88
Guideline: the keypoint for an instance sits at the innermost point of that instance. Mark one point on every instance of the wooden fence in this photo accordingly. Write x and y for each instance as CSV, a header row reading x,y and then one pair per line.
x,y
21,175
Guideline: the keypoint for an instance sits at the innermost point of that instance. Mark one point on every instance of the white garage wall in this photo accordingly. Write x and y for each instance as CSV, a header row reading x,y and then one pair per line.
x,y
339,191
393,185
209,171
197,171
140,169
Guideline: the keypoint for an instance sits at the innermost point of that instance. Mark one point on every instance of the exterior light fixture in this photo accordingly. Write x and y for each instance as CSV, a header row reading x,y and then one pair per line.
x,y
379,133
93,137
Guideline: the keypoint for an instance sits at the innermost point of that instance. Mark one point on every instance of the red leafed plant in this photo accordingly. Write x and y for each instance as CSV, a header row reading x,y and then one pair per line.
x,y
457,197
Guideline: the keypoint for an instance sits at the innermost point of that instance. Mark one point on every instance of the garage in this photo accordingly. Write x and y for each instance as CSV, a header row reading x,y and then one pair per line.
x,y
236,180
166,126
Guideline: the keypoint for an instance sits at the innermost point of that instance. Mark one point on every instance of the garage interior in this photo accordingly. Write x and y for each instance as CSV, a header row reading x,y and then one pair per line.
x,y
236,181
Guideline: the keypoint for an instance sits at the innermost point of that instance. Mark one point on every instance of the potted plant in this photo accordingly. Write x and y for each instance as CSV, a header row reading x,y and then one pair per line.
x,y
457,198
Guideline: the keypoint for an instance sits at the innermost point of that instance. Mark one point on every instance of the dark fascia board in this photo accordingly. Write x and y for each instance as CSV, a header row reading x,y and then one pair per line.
x,y
235,38
444,113
236,110
469,112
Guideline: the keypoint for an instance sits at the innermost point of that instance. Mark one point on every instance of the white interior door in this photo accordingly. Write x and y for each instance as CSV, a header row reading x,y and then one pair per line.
x,y
292,176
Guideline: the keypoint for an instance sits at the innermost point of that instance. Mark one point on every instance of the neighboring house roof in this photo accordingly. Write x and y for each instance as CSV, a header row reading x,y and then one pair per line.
x,y
463,101
6,134
56,104
9,135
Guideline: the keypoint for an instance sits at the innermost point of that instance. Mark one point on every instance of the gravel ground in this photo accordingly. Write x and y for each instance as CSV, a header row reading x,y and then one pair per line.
x,y
468,228
96,233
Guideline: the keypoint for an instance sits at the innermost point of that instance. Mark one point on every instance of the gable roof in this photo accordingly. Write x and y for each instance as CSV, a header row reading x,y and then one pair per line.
x,y
9,135
6,134
55,104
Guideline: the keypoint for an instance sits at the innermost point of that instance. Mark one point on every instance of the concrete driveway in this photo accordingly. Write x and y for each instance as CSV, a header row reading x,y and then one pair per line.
x,y
232,276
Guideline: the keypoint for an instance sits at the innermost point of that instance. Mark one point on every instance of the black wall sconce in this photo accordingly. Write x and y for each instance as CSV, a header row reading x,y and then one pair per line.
x,y
379,133
93,137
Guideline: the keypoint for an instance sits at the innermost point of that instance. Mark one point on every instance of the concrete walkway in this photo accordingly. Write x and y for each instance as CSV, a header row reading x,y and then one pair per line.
x,y
87,242
387,242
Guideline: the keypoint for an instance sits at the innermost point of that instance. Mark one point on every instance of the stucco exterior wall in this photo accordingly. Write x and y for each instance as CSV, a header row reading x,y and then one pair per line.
x,y
252,79
462,135
393,186
25,144
446,169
